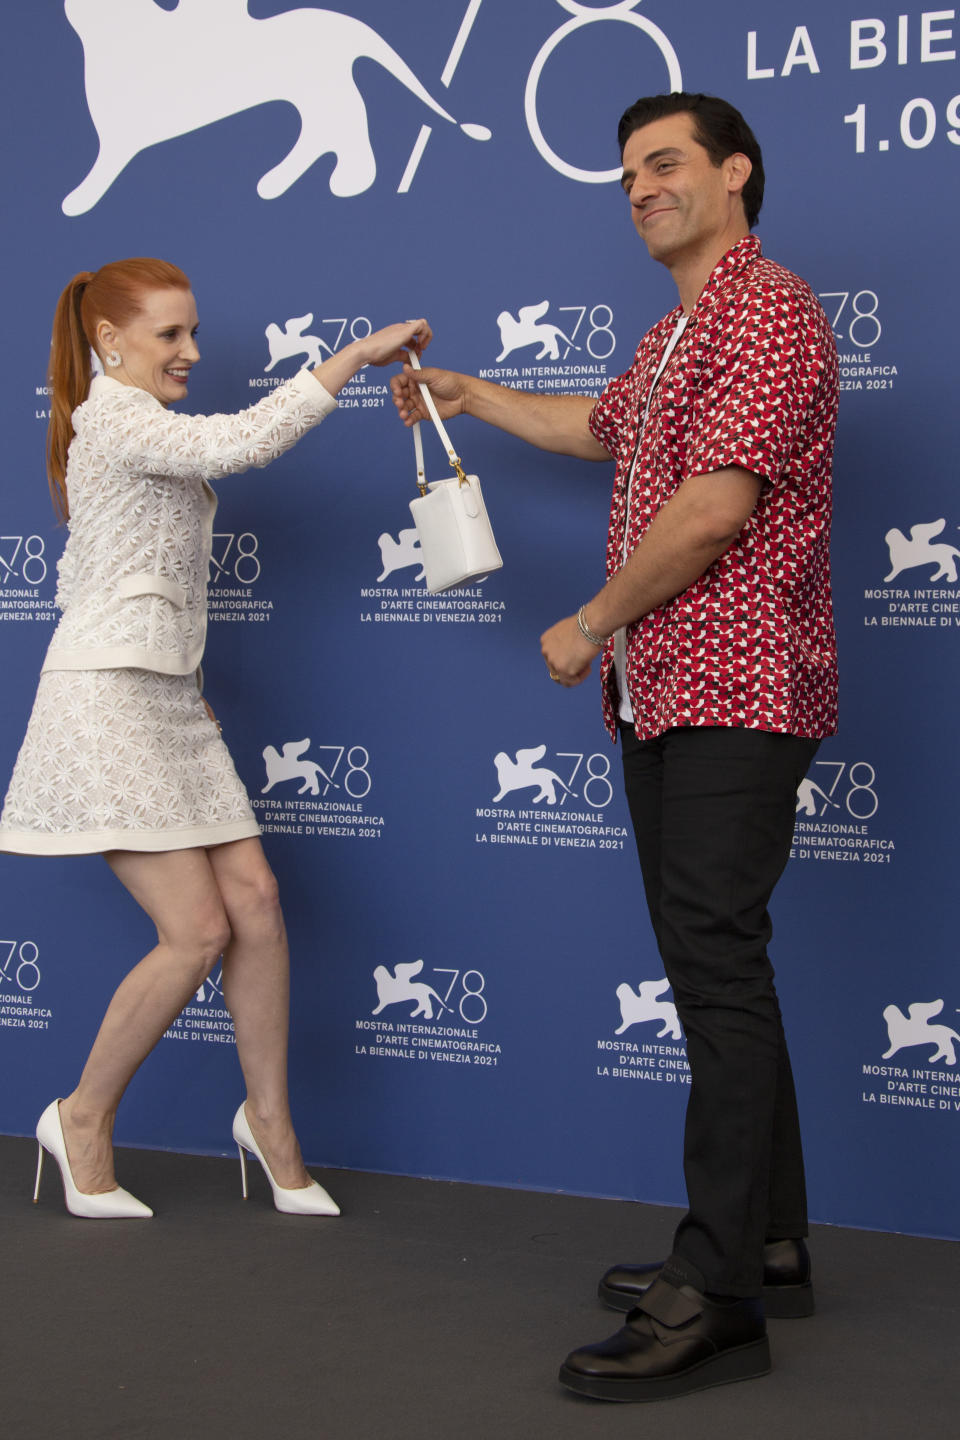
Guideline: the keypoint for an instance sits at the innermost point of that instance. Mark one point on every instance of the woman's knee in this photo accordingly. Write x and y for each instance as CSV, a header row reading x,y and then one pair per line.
x,y
212,938
178,890
199,941
252,901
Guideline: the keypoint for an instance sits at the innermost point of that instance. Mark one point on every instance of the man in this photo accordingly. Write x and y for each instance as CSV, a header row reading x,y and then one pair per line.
x,y
719,672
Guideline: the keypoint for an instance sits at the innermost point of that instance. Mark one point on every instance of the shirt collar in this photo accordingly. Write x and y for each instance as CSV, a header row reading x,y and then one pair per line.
x,y
733,263
103,385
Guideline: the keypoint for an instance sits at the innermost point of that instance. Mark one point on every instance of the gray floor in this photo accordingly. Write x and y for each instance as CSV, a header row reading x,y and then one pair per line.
x,y
429,1309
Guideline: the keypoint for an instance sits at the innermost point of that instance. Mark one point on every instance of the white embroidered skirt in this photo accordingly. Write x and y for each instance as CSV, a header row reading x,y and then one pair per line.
x,y
121,760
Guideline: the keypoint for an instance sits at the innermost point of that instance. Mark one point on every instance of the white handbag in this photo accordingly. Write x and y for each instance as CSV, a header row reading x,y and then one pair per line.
x,y
456,537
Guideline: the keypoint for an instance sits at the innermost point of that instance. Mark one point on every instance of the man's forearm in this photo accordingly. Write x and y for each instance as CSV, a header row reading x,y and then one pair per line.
x,y
654,574
685,537
558,423
694,527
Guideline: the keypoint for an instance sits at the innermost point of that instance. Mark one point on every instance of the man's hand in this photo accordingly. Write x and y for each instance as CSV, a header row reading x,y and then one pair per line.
x,y
446,386
568,655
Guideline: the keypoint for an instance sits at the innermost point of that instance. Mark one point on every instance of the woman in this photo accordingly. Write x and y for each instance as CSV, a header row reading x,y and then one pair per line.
x,y
122,756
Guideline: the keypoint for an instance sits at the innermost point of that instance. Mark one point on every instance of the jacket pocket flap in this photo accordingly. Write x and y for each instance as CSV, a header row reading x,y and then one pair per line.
x,y
153,585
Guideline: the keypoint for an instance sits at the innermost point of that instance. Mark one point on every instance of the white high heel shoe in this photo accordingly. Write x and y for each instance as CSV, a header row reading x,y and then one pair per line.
x,y
116,1204
309,1199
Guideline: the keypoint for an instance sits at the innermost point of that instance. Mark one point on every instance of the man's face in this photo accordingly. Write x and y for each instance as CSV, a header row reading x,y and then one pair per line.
x,y
681,203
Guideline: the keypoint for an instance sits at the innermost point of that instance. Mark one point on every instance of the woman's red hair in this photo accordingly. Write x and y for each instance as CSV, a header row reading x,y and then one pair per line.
x,y
114,292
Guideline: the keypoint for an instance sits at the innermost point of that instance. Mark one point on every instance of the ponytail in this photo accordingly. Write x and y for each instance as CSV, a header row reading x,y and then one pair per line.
x,y
114,292
69,379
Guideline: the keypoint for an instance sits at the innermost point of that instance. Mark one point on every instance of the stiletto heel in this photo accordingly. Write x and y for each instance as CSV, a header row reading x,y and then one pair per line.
x,y
243,1170
309,1199
117,1204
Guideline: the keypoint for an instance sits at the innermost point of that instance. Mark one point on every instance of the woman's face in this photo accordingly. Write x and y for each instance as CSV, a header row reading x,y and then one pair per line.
x,y
158,347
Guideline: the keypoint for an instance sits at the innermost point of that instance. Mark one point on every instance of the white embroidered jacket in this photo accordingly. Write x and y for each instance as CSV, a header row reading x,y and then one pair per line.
x,y
133,575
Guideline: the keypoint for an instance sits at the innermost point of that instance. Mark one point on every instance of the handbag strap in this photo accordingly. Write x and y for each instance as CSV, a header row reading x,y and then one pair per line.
x,y
452,455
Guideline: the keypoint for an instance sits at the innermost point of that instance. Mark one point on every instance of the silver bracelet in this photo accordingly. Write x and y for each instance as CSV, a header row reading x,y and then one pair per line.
x,y
586,632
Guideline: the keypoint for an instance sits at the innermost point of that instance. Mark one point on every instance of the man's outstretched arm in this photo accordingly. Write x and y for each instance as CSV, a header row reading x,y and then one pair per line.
x,y
551,422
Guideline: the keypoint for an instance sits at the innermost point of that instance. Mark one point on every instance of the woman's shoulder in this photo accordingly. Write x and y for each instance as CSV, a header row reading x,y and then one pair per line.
x,y
107,397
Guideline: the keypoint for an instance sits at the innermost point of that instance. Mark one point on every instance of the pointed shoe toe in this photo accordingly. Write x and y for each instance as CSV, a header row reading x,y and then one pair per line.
x,y
116,1204
309,1199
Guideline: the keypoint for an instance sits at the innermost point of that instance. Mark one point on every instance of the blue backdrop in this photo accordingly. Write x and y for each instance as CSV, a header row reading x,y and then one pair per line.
x,y
473,994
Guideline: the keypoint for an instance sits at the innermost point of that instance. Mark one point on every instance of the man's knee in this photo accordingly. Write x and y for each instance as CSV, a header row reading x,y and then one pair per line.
x,y
713,969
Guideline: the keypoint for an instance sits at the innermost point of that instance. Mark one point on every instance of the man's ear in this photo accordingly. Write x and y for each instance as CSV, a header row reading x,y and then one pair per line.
x,y
739,169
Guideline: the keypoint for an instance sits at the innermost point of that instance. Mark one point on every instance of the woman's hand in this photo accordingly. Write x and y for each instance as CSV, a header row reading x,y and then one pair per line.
x,y
384,347
389,346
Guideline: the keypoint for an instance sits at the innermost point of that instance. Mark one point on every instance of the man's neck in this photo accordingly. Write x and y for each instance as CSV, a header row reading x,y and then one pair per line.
x,y
691,273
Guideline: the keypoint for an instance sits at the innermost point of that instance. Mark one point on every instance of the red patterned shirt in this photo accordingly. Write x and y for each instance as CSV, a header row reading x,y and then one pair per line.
x,y
753,384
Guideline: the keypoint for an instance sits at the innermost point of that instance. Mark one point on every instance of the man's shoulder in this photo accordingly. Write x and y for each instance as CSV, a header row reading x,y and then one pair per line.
x,y
765,295
766,277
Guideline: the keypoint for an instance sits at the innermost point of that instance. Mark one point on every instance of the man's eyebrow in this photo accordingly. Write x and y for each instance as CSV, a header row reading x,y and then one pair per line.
x,y
659,154
667,150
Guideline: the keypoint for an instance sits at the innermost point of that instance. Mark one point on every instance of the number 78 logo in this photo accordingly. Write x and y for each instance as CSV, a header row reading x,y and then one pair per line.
x,y
852,784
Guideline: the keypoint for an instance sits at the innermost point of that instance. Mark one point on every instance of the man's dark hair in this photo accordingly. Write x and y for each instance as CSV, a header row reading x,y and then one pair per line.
x,y
718,127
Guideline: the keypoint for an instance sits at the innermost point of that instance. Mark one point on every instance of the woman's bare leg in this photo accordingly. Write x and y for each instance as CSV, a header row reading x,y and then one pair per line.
x,y
179,891
256,987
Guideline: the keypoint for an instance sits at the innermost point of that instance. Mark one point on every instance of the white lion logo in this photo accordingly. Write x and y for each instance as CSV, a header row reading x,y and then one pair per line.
x,y
515,334
521,773
914,1028
400,986
290,341
399,554
807,793
635,1008
918,551
289,766
304,56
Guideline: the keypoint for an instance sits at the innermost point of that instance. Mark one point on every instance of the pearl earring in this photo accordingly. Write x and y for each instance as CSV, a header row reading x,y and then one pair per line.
x,y
113,358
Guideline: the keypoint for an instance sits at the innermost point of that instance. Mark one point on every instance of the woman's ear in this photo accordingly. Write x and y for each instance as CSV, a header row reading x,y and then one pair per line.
x,y
106,336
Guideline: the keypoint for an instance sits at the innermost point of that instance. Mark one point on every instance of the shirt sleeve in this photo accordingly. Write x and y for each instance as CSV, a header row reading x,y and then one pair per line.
x,y
606,419
770,358
155,441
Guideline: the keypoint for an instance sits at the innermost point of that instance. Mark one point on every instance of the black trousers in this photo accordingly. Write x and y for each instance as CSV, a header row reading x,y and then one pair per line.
x,y
713,813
